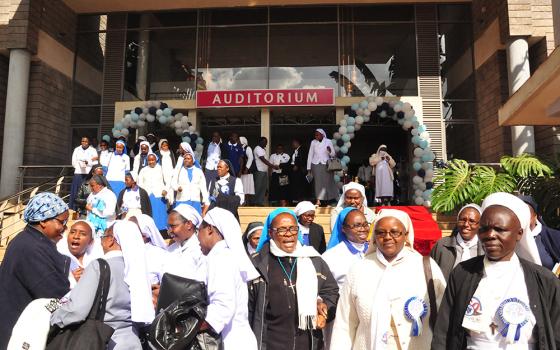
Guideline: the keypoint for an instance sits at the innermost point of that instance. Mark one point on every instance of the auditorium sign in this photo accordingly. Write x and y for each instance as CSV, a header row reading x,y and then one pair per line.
x,y
264,98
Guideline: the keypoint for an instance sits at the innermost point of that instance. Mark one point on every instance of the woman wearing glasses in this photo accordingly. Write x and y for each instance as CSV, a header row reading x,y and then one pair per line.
x,y
448,252
384,303
296,294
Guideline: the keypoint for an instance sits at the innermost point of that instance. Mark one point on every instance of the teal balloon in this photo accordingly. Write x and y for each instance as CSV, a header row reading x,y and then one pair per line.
x,y
350,129
364,104
343,163
345,137
350,121
106,138
336,178
421,128
186,139
162,119
134,116
417,166
414,119
167,112
423,143
355,106
415,139
344,149
199,141
346,159
415,125
427,194
119,126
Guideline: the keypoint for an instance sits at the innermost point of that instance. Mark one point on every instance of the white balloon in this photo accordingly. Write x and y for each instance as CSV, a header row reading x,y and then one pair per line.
x,y
372,106
344,122
336,148
352,135
125,132
416,160
178,125
185,119
179,131
397,108
150,118
417,180
429,173
159,112
409,114
357,127
141,123
424,135
422,186
336,135
199,147
367,113
428,166
418,193
427,204
348,144
142,116
406,107
419,201
191,129
342,130
145,110
367,118
414,132
418,152
407,125
379,101
360,111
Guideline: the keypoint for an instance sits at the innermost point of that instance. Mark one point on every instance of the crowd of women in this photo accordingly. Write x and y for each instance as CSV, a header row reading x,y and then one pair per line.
x,y
281,285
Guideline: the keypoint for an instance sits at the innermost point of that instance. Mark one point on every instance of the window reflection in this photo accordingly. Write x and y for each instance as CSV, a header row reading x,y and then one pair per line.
x,y
303,56
377,59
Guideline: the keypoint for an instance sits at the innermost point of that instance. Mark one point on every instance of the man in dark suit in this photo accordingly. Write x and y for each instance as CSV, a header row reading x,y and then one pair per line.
x,y
546,238
299,186
312,233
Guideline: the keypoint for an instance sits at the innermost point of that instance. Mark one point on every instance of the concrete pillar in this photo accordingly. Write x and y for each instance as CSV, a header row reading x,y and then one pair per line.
x,y
265,127
339,114
517,51
14,124
143,57
193,119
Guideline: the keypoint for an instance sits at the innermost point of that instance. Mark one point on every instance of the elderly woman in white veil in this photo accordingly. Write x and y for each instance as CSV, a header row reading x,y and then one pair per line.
x,y
129,300
353,195
383,165
396,316
320,151
229,270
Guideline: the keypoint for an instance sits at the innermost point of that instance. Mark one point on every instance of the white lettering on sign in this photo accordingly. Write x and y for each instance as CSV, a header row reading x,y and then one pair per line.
x,y
241,98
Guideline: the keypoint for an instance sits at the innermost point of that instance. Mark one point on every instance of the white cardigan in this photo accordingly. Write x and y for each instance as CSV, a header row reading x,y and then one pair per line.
x,y
352,327
192,190
152,181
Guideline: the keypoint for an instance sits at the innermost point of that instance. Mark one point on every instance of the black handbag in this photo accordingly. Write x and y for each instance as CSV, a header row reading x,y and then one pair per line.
x,y
182,303
93,333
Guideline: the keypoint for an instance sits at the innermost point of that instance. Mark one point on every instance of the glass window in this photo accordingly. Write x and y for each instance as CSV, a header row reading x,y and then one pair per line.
x,y
78,133
86,115
88,76
234,16
92,23
303,56
378,59
377,13
232,58
290,14
173,19
453,110
454,13
172,73
462,140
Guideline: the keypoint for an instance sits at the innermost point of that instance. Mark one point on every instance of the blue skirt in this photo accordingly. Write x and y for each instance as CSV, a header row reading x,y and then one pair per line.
x,y
159,211
117,187
193,204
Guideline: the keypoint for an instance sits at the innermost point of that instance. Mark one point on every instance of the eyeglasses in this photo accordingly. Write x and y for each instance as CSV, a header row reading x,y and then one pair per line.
x,y
63,223
383,234
283,231
364,225
172,226
105,236
470,222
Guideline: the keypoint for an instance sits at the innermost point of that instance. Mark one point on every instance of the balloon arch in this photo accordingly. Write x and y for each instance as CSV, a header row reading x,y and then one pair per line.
x,y
153,111
404,114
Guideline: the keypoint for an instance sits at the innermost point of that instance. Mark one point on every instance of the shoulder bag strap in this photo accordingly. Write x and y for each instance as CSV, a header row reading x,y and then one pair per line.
x,y
97,311
431,290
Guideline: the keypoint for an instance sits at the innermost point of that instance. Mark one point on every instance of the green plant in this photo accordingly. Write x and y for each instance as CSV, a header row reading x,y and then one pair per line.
x,y
460,183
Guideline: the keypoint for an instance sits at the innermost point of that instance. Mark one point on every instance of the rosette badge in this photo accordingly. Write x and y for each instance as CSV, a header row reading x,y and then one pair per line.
x,y
415,309
514,314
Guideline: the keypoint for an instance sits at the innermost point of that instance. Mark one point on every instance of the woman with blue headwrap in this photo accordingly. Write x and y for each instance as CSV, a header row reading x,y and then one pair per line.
x,y
32,267
297,293
119,164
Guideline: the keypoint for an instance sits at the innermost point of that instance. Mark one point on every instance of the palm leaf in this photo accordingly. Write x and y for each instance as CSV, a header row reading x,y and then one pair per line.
x,y
369,77
489,181
525,165
456,187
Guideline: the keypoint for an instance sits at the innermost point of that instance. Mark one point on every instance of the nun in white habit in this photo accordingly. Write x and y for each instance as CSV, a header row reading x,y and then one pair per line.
x,y
156,248
353,195
152,180
384,302
321,150
129,300
229,270
383,165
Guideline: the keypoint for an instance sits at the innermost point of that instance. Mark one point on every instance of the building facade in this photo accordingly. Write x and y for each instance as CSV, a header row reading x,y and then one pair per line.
x,y
72,68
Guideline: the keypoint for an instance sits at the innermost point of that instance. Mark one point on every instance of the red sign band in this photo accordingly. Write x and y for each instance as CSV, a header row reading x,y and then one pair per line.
x,y
265,98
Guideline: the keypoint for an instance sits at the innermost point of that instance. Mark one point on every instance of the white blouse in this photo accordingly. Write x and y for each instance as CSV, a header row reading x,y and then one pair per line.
x,y
117,166
194,190
152,181
319,153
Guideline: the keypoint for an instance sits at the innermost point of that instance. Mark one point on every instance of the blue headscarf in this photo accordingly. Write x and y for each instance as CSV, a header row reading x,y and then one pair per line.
x,y
265,237
44,206
337,234
125,151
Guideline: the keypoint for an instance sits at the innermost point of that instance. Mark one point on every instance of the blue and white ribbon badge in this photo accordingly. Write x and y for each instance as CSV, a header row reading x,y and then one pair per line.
x,y
415,309
514,314
225,189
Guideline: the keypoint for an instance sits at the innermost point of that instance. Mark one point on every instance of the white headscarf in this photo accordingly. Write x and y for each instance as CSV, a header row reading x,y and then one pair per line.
x,y
149,229
126,233
352,186
189,213
304,207
379,150
399,215
187,148
322,132
228,226
93,251
243,141
145,143
471,205
526,248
